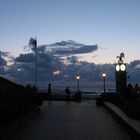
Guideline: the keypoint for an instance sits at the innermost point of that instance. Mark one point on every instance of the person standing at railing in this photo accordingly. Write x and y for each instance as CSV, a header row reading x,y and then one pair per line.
x,y
68,92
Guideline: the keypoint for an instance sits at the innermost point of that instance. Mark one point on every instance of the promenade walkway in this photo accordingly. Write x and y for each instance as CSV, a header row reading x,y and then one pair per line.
x,y
59,120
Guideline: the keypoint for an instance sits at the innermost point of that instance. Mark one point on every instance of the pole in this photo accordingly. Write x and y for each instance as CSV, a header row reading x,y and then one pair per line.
x,y
33,43
78,85
78,79
35,47
104,83
104,76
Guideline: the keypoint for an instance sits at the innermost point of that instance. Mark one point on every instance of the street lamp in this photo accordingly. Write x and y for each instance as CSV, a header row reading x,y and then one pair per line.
x,y
78,79
104,76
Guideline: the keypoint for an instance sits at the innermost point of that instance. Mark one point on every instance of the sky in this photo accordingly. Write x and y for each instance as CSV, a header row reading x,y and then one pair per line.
x,y
111,24
75,37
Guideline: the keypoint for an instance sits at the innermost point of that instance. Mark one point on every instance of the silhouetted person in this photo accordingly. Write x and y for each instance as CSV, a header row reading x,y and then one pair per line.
x,y
136,89
49,89
67,91
129,88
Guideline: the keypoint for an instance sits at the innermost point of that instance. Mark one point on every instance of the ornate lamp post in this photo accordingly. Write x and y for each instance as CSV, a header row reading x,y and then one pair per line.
x,y
104,76
121,75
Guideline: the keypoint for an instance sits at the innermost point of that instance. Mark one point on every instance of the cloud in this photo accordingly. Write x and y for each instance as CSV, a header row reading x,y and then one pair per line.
x,y
4,54
49,60
80,50
70,48
72,59
26,58
67,65
59,56
2,60
134,63
23,68
134,71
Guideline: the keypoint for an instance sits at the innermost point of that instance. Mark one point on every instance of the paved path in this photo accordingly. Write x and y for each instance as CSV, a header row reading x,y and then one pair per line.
x,y
70,121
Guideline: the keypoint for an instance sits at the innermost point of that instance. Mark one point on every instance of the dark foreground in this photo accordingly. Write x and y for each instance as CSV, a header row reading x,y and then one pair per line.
x,y
59,120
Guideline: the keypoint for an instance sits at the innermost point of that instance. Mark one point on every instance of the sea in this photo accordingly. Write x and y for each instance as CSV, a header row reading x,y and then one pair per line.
x,y
84,89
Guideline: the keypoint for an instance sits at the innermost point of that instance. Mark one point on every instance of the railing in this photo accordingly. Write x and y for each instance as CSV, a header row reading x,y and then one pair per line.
x,y
129,104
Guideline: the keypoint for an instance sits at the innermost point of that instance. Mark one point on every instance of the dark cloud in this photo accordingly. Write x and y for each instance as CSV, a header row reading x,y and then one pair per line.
x,y
24,67
134,63
26,58
2,60
4,54
2,71
3,63
66,43
134,71
72,59
51,66
69,48
81,49
21,72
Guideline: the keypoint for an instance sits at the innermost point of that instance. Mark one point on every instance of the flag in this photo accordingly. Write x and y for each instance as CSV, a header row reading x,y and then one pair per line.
x,y
33,42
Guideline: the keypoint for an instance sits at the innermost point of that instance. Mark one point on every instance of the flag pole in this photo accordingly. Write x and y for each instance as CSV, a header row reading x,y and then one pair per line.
x,y
35,47
33,43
